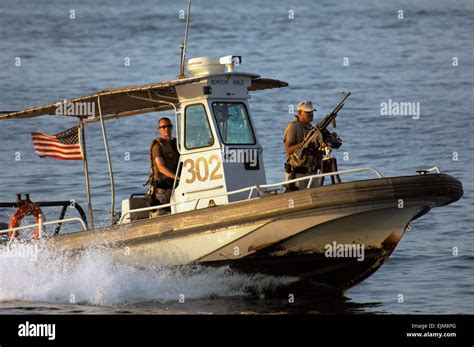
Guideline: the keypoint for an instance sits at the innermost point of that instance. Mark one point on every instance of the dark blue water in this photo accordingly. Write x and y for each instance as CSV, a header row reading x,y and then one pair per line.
x,y
407,60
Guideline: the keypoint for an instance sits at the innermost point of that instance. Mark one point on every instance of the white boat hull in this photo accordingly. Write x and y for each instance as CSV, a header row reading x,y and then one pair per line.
x,y
272,236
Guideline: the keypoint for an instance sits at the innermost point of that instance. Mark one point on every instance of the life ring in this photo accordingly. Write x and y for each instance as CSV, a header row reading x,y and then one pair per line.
x,y
23,210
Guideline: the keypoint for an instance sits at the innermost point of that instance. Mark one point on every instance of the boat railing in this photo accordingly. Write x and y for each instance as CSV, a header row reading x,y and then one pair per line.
x,y
41,224
312,177
252,190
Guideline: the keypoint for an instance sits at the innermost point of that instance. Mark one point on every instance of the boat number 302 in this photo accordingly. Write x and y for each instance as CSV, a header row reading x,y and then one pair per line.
x,y
201,168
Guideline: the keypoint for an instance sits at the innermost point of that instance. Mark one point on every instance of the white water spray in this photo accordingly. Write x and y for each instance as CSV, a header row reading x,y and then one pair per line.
x,y
97,278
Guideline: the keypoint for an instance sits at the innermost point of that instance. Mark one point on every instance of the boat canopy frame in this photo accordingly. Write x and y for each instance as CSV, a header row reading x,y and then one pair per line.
x,y
134,100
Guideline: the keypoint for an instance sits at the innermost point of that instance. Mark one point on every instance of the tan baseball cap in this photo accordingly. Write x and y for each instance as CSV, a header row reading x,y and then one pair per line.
x,y
305,106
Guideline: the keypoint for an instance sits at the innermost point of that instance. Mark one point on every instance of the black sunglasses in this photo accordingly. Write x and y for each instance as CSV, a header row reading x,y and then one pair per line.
x,y
169,126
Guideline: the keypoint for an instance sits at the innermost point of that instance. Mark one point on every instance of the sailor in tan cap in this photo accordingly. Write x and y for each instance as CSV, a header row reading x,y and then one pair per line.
x,y
295,133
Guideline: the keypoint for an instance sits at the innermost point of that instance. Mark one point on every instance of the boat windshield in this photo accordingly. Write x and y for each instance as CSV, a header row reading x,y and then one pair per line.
x,y
197,130
234,123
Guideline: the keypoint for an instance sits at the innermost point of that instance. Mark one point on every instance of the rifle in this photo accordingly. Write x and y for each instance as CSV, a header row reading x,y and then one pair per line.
x,y
320,135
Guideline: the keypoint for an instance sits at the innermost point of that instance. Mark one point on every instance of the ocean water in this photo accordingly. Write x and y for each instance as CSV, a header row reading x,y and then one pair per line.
x,y
324,48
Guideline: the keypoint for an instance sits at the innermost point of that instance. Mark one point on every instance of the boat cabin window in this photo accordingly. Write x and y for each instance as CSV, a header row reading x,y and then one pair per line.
x,y
234,123
197,131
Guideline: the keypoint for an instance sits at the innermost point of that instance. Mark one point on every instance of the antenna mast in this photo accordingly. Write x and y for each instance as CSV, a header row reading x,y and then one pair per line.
x,y
185,43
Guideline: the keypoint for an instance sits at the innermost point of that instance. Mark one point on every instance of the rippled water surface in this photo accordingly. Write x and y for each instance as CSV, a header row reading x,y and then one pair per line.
x,y
409,59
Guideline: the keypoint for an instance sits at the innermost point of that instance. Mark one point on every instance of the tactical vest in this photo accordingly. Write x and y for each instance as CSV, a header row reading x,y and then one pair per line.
x,y
170,156
311,160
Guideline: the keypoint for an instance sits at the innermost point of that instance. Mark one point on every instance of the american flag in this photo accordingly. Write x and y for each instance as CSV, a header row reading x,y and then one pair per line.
x,y
64,145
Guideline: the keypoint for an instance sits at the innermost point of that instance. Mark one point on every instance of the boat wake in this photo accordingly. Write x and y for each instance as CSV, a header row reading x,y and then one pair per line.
x,y
96,278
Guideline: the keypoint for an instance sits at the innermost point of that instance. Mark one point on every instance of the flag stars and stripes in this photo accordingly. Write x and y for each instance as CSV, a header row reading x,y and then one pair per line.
x,y
64,145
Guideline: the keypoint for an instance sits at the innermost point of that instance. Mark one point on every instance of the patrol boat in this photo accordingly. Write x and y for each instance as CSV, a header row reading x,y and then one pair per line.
x,y
223,211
